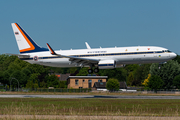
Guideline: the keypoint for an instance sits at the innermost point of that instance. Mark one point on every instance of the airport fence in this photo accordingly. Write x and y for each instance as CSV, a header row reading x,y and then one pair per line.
x,y
83,90
162,91
50,90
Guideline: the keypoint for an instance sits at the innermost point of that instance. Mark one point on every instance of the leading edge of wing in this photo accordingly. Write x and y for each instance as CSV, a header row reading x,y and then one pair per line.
x,y
71,57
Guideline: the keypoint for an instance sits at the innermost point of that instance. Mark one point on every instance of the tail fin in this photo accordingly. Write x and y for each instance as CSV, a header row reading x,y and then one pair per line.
x,y
25,43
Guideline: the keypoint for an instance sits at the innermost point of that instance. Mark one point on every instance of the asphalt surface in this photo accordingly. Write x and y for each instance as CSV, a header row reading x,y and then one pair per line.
x,y
91,96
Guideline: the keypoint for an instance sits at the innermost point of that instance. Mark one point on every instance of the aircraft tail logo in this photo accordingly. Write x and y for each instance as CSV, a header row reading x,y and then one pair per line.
x,y
24,41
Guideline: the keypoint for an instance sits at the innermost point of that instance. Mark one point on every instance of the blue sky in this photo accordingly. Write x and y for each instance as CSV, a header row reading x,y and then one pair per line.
x,y
66,24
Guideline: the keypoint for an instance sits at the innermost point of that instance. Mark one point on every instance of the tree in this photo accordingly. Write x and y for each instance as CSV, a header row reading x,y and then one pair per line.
x,y
176,81
39,69
83,72
33,81
73,70
155,82
119,73
2,77
29,84
131,67
18,75
137,73
43,84
130,79
167,72
112,84
145,83
53,81
6,61
6,77
63,84
177,58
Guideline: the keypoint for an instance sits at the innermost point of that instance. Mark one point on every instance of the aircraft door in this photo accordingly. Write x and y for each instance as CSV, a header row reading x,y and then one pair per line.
x,y
155,55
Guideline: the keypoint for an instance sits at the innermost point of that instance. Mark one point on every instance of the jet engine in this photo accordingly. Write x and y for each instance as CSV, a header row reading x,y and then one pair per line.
x,y
109,64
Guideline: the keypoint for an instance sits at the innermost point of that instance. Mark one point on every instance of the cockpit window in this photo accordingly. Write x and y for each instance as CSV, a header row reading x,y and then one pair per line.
x,y
166,51
169,51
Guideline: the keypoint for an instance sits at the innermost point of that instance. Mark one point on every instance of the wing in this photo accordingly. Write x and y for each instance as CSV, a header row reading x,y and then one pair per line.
x,y
78,60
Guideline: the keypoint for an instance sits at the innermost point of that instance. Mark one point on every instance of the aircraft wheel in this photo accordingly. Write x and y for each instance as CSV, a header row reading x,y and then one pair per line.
x,y
90,71
96,70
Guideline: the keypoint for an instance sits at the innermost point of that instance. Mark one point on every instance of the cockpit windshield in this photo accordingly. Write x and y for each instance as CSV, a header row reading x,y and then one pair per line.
x,y
166,51
169,51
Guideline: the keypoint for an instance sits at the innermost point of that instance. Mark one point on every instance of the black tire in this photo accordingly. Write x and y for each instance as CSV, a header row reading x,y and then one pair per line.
x,y
96,70
90,71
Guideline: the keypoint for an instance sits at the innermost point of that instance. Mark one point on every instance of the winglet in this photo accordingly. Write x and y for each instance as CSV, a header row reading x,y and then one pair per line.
x,y
50,49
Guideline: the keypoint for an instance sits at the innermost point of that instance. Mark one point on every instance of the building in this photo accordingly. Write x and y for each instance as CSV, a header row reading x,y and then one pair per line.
x,y
84,81
63,77
122,85
100,86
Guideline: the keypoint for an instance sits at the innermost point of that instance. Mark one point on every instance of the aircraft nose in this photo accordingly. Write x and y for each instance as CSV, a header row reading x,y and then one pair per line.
x,y
173,55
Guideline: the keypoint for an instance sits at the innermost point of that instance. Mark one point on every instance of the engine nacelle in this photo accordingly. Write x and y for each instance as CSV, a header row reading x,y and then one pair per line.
x,y
106,64
109,64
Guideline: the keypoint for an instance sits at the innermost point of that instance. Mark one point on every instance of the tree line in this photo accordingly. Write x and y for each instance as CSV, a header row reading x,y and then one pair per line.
x,y
14,70
151,76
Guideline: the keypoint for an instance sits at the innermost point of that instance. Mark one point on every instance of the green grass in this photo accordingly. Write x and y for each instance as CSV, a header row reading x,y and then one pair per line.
x,y
87,107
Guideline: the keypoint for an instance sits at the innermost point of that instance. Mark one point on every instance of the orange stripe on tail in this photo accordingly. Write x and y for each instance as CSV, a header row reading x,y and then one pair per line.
x,y
30,44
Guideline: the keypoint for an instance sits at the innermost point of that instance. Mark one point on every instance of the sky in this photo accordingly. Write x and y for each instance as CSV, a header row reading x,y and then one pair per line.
x,y
68,24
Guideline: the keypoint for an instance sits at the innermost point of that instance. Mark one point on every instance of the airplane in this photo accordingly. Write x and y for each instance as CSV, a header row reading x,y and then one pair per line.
x,y
97,58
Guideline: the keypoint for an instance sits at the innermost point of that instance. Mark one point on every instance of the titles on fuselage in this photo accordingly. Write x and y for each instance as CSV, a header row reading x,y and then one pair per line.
x,y
97,52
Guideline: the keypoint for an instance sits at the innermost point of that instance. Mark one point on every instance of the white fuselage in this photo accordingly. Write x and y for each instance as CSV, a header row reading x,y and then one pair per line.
x,y
121,55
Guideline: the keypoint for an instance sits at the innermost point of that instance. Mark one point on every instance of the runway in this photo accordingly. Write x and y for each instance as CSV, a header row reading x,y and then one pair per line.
x,y
91,96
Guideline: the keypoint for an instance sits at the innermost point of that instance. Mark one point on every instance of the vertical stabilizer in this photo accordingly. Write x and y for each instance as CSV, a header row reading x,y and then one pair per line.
x,y
24,42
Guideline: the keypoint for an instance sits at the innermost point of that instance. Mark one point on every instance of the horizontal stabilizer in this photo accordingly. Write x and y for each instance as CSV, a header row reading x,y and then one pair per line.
x,y
19,55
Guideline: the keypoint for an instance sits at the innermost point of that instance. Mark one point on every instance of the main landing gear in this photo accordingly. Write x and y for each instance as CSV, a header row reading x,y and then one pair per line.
x,y
90,71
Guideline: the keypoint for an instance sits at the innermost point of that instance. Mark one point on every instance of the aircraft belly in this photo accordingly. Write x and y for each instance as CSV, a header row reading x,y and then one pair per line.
x,y
139,59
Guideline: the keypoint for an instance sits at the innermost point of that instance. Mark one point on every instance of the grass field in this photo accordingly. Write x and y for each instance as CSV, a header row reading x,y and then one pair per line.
x,y
89,107
75,109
